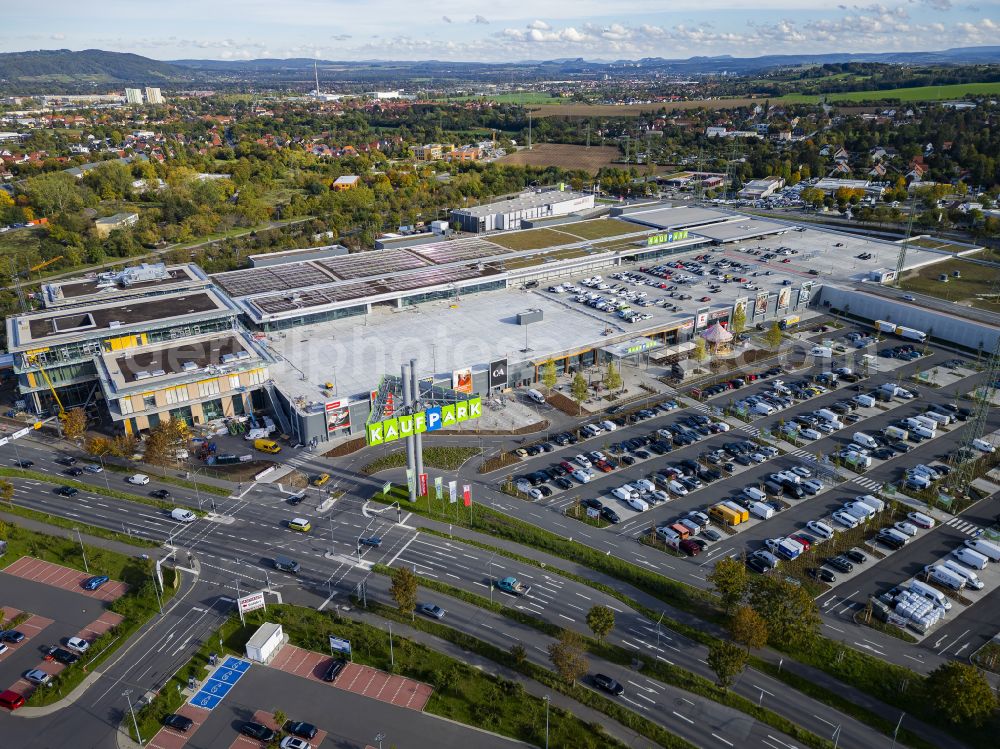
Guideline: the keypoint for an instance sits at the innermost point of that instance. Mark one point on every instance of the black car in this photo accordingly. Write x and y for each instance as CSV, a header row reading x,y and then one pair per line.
x,y
757,565
899,447
160,493
546,491
628,460
373,541
658,448
609,685
66,460
336,667
821,573
74,471
12,636
301,729
840,564
295,499
642,454
891,541
557,470
257,731
711,535
592,503
24,463
793,490
883,453
61,655
563,483
856,555
610,515
178,722
67,491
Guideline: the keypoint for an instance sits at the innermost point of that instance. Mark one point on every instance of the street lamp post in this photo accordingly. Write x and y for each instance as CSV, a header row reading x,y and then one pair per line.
x,y
547,700
83,551
895,733
156,589
135,723
836,736
392,655
490,564
379,738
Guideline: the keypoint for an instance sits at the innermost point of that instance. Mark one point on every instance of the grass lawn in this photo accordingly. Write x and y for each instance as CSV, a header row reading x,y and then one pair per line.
x,y
579,512
600,228
533,239
975,280
445,458
915,93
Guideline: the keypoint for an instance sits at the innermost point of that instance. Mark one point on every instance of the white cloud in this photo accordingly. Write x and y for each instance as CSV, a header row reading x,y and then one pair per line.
x,y
57,37
480,20
540,25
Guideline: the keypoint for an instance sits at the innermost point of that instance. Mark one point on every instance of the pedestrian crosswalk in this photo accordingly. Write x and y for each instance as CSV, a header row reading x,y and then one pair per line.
x,y
798,453
750,429
702,407
866,483
970,529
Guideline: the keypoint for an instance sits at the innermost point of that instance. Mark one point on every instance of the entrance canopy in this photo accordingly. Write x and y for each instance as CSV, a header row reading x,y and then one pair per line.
x,y
631,347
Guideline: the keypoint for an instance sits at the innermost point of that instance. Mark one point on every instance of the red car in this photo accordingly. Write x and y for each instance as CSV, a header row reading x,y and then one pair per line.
x,y
802,540
705,299
786,260
568,467
603,465
11,700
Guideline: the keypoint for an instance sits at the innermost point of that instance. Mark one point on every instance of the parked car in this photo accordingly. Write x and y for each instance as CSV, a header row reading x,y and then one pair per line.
x,y
257,731
178,722
821,573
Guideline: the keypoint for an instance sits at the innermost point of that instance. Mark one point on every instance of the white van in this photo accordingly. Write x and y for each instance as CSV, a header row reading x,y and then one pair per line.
x,y
896,433
859,510
943,576
984,446
864,400
755,494
912,423
865,440
761,510
987,548
872,501
933,595
827,415
535,396
858,460
971,578
762,408
899,536
970,558
927,422
939,418
182,515
925,432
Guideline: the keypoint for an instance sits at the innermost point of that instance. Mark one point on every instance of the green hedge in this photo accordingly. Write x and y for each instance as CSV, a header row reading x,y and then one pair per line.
x,y
175,480
92,530
438,456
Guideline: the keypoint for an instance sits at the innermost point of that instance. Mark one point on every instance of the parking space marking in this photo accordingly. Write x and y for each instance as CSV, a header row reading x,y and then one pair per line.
x,y
39,571
357,678
167,738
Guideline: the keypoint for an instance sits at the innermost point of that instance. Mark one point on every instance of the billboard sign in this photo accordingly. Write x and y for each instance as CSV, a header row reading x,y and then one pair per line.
x,y
741,305
701,319
461,380
667,237
251,602
498,373
437,417
340,645
784,297
760,305
338,416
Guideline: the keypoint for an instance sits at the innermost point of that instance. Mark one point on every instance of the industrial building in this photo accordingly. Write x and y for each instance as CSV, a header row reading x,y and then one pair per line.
x,y
153,95
133,96
104,226
758,189
508,214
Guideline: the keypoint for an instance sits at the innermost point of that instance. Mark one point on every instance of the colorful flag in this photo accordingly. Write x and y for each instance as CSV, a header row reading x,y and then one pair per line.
x,y
467,494
452,492
422,484
439,488
387,487
410,479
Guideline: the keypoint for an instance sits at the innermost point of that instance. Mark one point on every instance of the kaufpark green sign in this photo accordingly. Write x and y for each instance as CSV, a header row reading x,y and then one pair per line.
x,y
429,420
667,237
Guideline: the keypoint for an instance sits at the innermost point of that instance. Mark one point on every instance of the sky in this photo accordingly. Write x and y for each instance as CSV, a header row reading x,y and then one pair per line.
x,y
514,30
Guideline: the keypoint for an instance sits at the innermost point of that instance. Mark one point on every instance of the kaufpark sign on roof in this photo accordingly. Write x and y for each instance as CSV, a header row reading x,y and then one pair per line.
x,y
667,237
429,420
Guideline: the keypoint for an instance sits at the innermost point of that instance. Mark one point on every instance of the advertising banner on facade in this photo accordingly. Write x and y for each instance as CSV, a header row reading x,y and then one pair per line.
x,y
667,237
701,319
741,305
784,297
461,380
338,416
498,373
437,417
760,305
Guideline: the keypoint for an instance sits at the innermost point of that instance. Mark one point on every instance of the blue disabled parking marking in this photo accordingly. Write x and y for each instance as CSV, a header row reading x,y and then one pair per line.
x,y
218,685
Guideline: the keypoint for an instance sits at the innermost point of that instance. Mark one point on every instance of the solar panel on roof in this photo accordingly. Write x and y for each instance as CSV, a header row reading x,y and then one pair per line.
x,y
373,263
456,250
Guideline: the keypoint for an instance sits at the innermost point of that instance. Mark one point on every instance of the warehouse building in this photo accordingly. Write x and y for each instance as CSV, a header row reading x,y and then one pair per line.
x,y
508,214
758,189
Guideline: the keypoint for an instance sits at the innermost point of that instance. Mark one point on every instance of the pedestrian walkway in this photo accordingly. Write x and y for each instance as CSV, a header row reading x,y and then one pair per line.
x,y
970,529
867,483
749,429
799,453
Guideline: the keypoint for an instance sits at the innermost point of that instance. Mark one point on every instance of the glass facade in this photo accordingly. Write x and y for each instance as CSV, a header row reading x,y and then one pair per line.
x,y
333,314
431,296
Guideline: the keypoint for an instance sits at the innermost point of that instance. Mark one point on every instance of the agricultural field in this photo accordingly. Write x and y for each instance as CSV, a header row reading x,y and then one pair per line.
x,y
978,285
516,97
564,156
917,93
600,228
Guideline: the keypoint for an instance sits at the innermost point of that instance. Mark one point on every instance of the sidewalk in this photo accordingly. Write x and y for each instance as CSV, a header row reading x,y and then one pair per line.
x,y
54,530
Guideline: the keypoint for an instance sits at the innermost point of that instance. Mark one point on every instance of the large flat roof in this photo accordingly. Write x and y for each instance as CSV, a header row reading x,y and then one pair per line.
x,y
85,289
678,217
741,228
51,327
521,202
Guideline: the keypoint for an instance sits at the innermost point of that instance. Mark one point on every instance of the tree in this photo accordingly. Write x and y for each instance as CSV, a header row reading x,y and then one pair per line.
x,y
739,321
612,378
773,336
729,577
163,442
567,656
960,692
601,621
74,423
6,491
549,376
404,589
519,653
280,719
699,354
727,661
789,610
747,628
579,388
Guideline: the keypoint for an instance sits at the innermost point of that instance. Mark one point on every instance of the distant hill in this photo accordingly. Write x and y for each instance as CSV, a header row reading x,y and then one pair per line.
x,y
63,69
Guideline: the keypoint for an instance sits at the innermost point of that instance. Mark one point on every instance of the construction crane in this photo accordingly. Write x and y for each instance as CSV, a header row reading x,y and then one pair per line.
x,y
33,359
45,264
901,256
963,459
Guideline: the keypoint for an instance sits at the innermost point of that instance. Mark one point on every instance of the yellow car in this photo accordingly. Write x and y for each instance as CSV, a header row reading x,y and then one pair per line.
x,y
321,479
300,524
